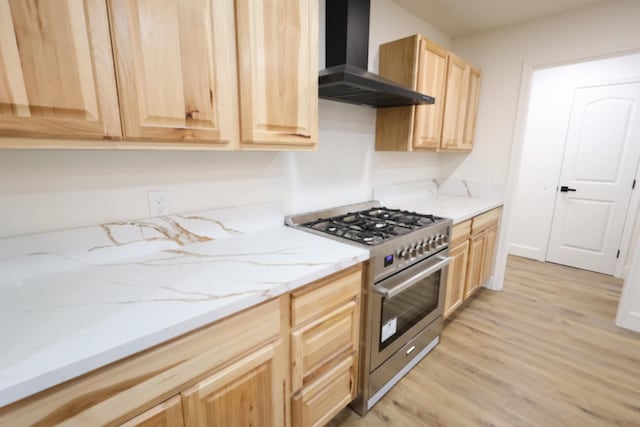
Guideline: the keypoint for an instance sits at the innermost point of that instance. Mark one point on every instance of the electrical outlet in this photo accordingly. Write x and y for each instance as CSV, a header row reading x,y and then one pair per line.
x,y
158,203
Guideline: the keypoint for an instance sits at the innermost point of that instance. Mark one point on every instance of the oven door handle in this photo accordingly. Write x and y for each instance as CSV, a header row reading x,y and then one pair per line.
x,y
390,293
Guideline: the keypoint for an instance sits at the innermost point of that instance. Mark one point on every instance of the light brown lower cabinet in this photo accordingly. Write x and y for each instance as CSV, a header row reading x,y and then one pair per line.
x,y
476,263
247,393
481,256
472,249
316,404
324,348
235,372
491,241
457,274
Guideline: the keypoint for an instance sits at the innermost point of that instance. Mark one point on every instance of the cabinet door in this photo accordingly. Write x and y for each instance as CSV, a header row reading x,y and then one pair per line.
x,y
56,70
455,103
175,63
432,74
278,72
475,265
456,277
249,392
166,414
473,96
491,237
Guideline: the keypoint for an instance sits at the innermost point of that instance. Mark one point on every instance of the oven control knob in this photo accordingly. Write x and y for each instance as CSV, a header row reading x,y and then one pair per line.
x,y
402,253
414,252
433,243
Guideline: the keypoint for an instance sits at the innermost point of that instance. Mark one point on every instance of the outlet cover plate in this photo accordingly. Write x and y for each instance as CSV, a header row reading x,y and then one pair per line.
x,y
158,203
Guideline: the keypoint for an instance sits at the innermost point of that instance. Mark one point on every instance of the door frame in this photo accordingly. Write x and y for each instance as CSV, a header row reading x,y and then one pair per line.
x,y
515,159
634,201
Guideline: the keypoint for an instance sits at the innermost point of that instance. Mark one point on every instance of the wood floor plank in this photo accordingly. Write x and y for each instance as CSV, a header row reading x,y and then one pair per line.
x,y
545,351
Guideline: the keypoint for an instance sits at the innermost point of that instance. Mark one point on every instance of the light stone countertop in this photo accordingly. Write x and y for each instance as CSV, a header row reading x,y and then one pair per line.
x,y
458,200
117,289
457,208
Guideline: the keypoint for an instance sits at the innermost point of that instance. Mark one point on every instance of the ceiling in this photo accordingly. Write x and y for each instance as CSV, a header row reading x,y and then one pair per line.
x,y
461,17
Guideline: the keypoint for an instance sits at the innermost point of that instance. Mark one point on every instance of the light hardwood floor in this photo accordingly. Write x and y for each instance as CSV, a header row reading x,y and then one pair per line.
x,y
543,352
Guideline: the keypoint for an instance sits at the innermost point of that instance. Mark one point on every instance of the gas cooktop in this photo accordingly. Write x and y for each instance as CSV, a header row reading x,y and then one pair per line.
x,y
373,226
395,238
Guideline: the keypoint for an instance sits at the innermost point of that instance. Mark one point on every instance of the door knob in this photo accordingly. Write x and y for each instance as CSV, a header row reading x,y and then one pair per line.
x,y
564,189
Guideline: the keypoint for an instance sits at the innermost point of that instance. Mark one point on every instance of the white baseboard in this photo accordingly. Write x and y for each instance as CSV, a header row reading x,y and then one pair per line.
x,y
525,251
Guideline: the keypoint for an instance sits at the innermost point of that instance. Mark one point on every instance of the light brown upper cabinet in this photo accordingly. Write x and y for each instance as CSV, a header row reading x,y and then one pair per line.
x,y
446,125
431,80
56,70
221,74
175,63
278,72
473,96
455,103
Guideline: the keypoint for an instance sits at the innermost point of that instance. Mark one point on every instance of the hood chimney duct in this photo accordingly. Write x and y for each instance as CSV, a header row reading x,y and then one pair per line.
x,y
346,78
347,33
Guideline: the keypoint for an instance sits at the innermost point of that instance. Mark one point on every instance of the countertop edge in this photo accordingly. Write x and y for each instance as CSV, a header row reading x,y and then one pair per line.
x,y
475,212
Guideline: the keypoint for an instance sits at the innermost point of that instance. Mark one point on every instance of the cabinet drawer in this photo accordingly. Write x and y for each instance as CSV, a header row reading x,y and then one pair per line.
x,y
485,220
316,404
324,295
321,341
460,232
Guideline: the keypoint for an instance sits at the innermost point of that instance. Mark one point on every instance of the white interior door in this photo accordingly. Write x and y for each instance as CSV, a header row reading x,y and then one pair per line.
x,y
600,161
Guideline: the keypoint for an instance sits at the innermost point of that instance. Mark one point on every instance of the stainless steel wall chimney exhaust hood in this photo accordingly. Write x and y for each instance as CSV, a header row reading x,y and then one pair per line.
x,y
346,78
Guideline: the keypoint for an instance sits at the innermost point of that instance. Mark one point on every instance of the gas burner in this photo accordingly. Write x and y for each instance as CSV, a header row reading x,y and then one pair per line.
x,y
379,213
364,237
413,220
373,225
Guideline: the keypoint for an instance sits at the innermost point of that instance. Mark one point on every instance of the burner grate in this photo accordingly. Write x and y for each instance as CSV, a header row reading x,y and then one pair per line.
x,y
373,226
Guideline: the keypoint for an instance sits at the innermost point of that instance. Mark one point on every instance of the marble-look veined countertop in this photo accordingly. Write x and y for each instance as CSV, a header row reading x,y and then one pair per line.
x,y
458,200
73,301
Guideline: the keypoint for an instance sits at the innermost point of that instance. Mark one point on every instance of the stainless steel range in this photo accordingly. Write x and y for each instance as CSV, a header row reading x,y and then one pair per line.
x,y
404,291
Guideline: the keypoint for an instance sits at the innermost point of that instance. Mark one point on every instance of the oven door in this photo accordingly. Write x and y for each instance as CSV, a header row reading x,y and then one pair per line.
x,y
406,303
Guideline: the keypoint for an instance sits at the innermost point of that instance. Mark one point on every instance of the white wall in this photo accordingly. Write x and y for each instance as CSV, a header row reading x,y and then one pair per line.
x,y
550,105
593,31
51,190
506,55
629,308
